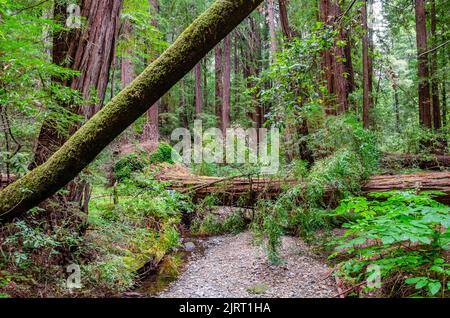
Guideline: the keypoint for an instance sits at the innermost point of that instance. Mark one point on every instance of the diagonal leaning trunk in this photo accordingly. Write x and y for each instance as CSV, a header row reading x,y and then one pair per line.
x,y
199,38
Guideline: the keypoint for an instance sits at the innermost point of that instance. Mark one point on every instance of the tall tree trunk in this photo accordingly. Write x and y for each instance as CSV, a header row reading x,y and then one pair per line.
x,y
183,108
205,82
340,81
444,103
396,109
253,57
437,122
126,65
198,89
150,134
349,64
367,87
284,19
85,145
218,55
423,71
272,30
226,84
91,52
327,60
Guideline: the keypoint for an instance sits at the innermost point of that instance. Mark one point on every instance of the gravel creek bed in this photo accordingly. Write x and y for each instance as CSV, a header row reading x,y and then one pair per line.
x,y
232,266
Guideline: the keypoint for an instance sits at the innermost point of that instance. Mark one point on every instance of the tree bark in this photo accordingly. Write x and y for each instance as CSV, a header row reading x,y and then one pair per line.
x,y
218,56
284,19
423,71
367,87
226,84
126,66
340,81
90,51
272,30
335,62
150,133
437,122
327,60
83,146
198,88
444,103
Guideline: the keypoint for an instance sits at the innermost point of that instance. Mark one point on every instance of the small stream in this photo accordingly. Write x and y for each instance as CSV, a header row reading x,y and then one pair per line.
x,y
192,248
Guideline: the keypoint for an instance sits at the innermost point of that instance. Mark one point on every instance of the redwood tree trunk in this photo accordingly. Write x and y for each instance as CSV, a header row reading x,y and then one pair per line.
x,y
284,19
226,84
333,66
437,121
340,81
126,66
198,88
367,87
423,71
218,54
150,135
272,30
91,52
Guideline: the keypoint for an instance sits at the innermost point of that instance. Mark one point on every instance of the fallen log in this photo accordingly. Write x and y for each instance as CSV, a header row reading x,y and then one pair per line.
x,y
433,162
246,190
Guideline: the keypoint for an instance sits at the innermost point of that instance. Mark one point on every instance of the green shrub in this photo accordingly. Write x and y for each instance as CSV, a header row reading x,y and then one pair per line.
x,y
404,234
127,165
162,154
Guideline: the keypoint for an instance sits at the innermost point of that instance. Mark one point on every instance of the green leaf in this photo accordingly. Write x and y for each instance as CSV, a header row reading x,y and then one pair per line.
x,y
434,287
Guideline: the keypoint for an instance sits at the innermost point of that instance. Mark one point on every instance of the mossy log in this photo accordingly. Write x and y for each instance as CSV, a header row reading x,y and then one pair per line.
x,y
432,162
82,148
244,191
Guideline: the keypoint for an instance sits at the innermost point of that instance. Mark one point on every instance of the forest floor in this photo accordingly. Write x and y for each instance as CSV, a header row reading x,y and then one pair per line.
x,y
233,266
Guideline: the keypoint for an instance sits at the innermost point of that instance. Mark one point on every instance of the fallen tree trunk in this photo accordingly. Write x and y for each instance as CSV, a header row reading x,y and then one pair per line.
x,y
192,45
237,190
409,160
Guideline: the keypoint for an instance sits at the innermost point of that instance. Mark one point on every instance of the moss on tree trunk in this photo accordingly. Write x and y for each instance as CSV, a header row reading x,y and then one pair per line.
x,y
199,38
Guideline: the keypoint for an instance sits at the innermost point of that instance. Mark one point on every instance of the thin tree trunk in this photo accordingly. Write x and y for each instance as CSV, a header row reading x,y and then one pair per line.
x,y
396,109
226,84
327,60
367,88
198,89
150,134
423,71
444,103
437,123
284,19
340,81
205,82
84,146
272,30
218,54
126,66
184,113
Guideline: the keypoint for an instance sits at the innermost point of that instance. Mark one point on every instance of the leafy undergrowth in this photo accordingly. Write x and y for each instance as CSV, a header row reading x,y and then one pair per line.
x,y
132,226
137,225
396,244
206,220
349,154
